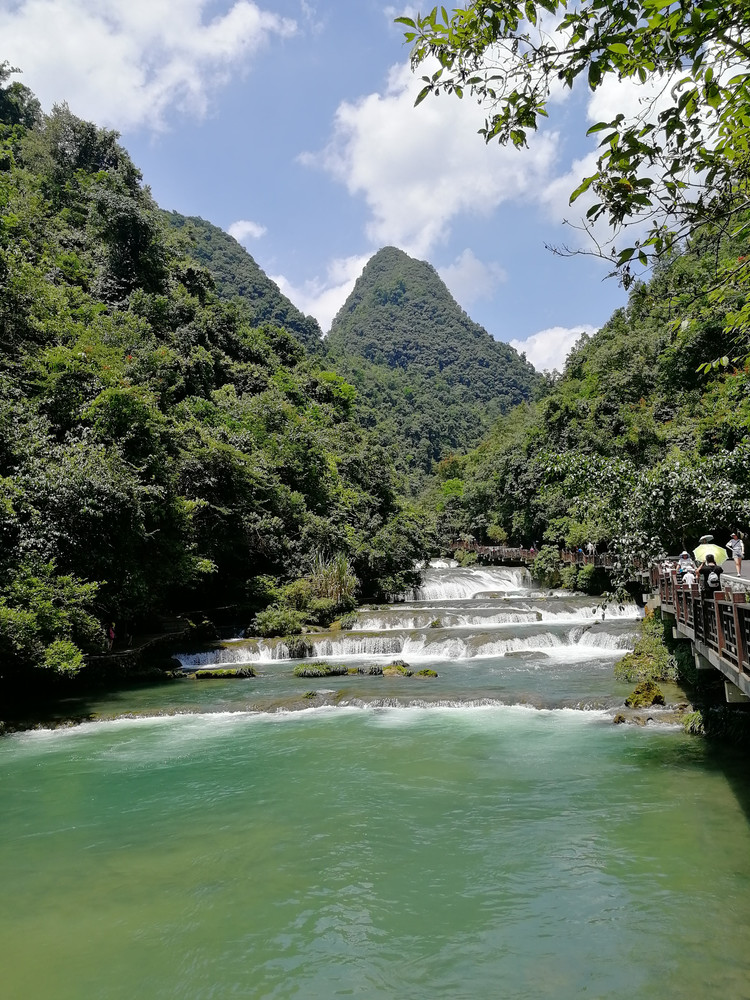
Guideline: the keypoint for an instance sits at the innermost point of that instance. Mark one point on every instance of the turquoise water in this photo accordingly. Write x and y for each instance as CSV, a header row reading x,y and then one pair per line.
x,y
376,853
390,844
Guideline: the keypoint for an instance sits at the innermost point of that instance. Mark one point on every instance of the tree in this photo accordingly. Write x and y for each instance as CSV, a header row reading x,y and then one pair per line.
x,y
682,160
18,106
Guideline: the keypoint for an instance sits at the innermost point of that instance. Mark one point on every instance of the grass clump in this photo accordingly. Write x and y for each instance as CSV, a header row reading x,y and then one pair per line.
x,y
398,668
650,659
211,673
426,672
320,669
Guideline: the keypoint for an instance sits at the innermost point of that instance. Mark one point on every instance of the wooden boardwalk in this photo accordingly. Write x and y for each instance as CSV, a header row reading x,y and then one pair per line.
x,y
514,556
718,626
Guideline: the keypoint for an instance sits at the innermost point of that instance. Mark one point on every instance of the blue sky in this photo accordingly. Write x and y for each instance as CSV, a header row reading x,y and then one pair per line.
x,y
290,123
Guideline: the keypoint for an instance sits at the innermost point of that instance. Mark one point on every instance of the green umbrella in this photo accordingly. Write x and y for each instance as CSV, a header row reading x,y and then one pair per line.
x,y
719,554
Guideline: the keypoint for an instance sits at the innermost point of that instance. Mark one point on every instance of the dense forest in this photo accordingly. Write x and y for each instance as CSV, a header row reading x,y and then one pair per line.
x,y
639,446
175,435
236,276
430,381
161,448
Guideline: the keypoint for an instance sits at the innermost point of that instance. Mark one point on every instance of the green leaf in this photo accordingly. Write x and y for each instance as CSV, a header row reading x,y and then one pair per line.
x,y
583,186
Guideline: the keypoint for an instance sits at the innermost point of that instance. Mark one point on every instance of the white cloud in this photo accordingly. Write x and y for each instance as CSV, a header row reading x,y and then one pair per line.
x,y
323,297
418,169
244,230
129,63
470,279
548,349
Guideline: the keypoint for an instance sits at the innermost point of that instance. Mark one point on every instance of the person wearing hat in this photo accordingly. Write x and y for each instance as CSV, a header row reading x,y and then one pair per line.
x,y
737,549
684,563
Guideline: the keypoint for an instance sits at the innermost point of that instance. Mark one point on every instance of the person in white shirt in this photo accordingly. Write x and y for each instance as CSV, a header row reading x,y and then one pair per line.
x,y
685,562
735,546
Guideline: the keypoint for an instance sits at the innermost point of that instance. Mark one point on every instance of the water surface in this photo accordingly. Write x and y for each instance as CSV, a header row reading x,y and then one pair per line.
x,y
480,835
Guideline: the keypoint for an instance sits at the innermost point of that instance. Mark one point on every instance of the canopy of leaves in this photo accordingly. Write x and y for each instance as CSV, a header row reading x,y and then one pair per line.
x,y
681,160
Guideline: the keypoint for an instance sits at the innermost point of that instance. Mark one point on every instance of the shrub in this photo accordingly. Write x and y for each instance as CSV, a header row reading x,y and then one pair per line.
x,y
347,622
569,577
335,579
546,566
322,611
63,656
298,647
297,595
278,621
650,659
496,534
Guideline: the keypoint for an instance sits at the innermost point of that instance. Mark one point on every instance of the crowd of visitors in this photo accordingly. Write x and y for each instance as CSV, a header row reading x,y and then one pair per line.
x,y
702,568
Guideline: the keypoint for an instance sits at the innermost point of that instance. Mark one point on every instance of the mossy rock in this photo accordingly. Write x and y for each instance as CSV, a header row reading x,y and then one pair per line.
x,y
309,695
619,719
298,647
435,623
210,673
374,670
320,670
397,669
645,694
426,673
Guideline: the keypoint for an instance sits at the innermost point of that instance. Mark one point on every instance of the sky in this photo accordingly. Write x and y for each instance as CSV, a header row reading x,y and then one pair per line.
x,y
291,124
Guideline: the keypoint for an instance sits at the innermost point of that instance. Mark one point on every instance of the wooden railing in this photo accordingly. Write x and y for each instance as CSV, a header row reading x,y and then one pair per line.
x,y
720,622
510,553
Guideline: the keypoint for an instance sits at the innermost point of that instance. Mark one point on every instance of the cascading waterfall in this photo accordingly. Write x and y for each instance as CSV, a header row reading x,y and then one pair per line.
x,y
453,582
507,643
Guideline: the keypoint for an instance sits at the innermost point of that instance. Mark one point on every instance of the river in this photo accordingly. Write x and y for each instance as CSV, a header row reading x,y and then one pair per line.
x,y
485,833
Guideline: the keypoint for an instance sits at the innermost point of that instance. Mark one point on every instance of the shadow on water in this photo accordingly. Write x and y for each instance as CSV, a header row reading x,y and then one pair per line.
x,y
701,755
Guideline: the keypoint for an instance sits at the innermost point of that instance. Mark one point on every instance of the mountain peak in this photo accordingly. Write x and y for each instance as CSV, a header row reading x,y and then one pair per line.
x,y
401,314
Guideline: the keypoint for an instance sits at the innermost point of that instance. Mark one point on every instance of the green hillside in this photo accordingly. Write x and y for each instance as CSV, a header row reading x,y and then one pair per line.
x,y
429,379
158,449
635,447
236,275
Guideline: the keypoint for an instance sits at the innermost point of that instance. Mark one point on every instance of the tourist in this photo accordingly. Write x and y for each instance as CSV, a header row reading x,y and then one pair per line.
x,y
736,549
111,636
709,574
688,577
685,562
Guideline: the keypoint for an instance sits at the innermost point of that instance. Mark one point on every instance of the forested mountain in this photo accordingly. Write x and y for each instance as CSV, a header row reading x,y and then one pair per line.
x,y
636,446
236,275
430,380
157,447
